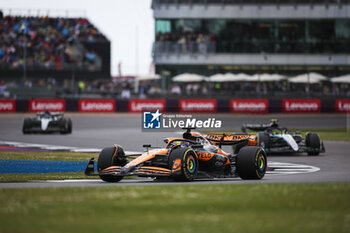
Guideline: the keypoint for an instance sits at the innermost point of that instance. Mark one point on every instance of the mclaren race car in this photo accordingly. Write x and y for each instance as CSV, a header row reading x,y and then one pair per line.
x,y
184,159
279,140
46,122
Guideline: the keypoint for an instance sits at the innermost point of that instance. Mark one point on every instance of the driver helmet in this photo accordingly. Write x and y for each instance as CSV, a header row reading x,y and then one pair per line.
x,y
274,123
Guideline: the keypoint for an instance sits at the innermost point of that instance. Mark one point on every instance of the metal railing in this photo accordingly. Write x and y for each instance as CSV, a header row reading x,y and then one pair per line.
x,y
266,46
190,47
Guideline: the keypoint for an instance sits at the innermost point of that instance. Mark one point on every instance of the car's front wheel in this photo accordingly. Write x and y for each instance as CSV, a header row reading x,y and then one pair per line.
x,y
313,142
183,163
111,156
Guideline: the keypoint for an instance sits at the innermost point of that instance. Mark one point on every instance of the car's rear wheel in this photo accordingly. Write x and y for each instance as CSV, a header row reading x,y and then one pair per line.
x,y
264,140
251,163
111,156
312,140
183,162
26,126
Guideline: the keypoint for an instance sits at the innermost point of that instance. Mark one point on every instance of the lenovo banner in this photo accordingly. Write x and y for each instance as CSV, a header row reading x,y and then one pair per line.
x,y
249,106
97,105
147,105
7,105
342,106
301,105
198,105
41,105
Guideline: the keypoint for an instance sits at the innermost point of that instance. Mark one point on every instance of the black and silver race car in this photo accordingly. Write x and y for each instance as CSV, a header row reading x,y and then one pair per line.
x,y
275,139
46,122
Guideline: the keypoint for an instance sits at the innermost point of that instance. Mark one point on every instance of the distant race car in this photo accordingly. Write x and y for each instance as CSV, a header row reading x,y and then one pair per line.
x,y
184,159
279,140
46,122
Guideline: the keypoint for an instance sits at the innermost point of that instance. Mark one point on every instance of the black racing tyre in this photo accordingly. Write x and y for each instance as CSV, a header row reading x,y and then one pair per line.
x,y
26,125
313,141
251,163
186,160
66,126
69,126
63,126
264,140
111,156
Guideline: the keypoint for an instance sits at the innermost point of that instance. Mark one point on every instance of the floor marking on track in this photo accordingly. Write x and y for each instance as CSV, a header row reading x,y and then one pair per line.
x,y
274,168
24,145
71,181
48,147
278,168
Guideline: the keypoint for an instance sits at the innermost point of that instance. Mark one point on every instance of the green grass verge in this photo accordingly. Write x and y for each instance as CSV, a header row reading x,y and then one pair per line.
x,y
58,156
44,176
62,156
325,134
288,208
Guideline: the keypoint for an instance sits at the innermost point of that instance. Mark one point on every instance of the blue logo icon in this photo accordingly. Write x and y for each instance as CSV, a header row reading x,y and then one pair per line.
x,y
152,120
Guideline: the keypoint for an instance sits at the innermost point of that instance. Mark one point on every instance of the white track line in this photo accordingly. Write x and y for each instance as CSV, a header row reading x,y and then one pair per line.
x,y
277,168
54,147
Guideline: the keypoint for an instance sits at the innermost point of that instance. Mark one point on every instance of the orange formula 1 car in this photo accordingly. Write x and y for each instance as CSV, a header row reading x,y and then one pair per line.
x,y
185,159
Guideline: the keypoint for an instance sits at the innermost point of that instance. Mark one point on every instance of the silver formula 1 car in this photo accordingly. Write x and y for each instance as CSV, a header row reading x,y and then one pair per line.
x,y
275,139
46,122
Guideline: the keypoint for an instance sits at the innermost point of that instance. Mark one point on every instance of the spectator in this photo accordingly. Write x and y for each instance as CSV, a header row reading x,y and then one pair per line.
x,y
176,90
50,43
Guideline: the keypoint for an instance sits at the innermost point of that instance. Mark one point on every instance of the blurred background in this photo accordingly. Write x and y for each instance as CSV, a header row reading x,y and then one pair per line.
x,y
195,49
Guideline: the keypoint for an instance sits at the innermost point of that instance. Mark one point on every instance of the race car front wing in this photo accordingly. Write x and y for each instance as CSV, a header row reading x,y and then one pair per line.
x,y
147,171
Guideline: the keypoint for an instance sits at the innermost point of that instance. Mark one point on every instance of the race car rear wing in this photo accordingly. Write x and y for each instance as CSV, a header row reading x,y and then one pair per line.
x,y
51,113
224,139
255,127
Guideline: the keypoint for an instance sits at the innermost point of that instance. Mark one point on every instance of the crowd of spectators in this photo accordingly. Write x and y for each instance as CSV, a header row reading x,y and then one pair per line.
x,y
185,43
250,1
255,89
46,43
254,36
249,42
126,88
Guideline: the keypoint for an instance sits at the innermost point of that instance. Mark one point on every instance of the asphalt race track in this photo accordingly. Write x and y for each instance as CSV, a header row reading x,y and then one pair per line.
x,y
102,130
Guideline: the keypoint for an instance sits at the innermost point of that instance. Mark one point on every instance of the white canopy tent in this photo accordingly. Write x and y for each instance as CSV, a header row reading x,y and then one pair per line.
x,y
228,77
266,78
240,77
341,79
187,77
311,78
217,78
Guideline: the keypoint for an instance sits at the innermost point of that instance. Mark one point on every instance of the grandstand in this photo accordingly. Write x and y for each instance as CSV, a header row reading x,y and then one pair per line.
x,y
289,37
41,47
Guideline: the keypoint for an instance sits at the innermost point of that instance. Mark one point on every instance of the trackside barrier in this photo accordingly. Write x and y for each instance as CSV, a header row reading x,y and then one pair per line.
x,y
251,106
198,105
301,105
342,105
139,105
97,105
41,105
7,105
